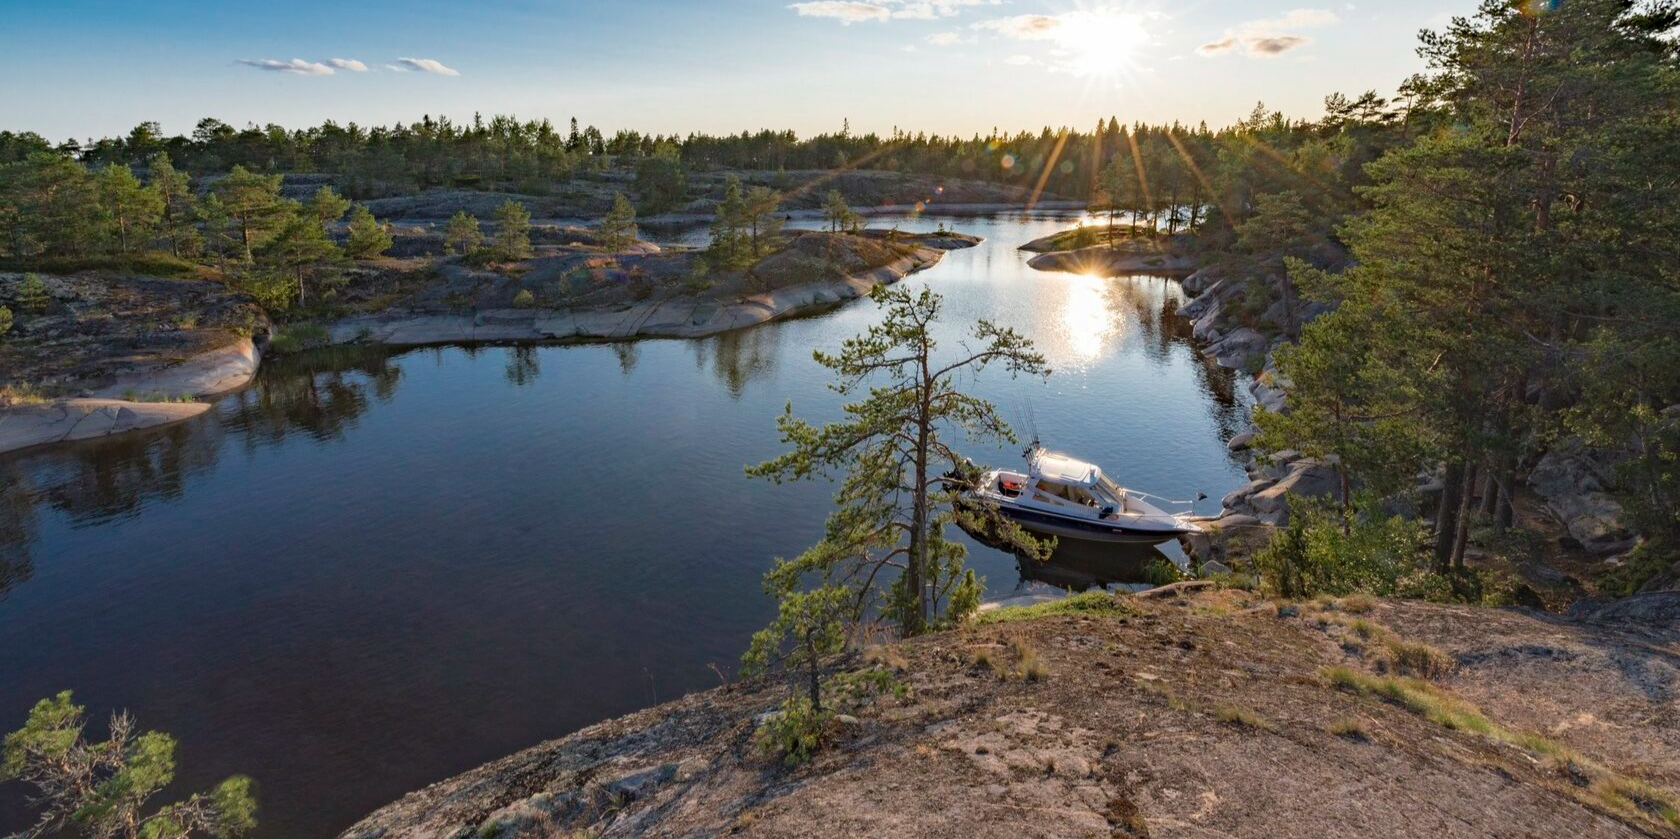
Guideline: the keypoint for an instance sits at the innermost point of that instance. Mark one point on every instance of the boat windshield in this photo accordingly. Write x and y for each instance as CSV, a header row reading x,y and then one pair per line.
x,y
1108,488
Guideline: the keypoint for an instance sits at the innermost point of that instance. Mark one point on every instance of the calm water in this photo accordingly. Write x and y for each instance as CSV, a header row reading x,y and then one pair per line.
x,y
373,570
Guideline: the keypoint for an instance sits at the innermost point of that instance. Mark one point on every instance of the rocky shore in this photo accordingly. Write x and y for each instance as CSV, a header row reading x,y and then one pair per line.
x,y
1180,712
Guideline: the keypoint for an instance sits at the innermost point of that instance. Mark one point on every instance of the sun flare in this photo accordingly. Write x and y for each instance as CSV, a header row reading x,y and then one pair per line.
x,y
1101,42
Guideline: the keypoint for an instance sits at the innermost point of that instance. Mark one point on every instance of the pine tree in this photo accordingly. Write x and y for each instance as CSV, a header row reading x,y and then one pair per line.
x,y
835,211
618,227
326,205
253,206
174,189
729,247
462,234
32,294
130,209
301,250
513,232
890,454
763,217
368,238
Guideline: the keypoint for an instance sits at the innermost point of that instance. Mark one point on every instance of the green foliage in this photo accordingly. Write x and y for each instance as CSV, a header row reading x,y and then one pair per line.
x,y
513,232
32,294
763,219
252,207
661,180
796,732
618,227
129,210
1651,560
5,321
101,789
889,451
301,249
524,299
809,625
368,238
1321,552
326,206
1095,602
730,246
297,337
178,206
840,217
462,235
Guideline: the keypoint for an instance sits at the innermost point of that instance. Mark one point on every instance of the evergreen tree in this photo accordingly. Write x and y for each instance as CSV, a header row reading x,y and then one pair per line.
x,y
130,209
835,211
513,232
894,502
763,217
301,251
101,789
253,206
174,189
32,294
326,205
618,227
661,180
220,235
462,234
368,238
730,247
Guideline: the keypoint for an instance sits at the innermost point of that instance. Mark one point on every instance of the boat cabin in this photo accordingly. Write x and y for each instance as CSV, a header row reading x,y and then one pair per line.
x,y
1059,483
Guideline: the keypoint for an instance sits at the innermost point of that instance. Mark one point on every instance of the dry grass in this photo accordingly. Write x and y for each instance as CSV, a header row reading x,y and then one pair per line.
x,y
1028,664
1243,717
1415,658
886,655
1356,604
1350,728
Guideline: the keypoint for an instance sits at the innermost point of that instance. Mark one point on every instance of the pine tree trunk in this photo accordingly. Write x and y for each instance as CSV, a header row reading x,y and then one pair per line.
x,y
1461,534
1446,516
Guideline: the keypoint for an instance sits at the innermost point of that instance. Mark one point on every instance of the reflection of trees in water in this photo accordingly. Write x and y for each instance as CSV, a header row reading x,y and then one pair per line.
x,y
521,368
18,525
1153,303
93,482
322,394
739,357
628,352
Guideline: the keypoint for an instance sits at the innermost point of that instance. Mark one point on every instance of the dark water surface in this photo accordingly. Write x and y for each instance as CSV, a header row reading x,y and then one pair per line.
x,y
373,570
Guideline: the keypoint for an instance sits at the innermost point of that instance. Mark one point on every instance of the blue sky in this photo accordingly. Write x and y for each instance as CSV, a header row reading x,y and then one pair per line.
x,y
81,68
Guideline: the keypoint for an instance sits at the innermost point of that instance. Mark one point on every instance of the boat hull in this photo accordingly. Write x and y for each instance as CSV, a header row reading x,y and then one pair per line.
x,y
1061,527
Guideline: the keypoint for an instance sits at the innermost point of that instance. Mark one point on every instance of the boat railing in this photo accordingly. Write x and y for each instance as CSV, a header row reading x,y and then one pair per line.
x,y
1189,505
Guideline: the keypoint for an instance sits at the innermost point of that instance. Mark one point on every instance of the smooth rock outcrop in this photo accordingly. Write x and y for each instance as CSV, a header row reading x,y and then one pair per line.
x,y
24,426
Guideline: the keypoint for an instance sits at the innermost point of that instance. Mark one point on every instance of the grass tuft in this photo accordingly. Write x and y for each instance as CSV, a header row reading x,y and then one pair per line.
x,y
1094,602
1415,658
1028,665
1234,715
1350,728
1356,604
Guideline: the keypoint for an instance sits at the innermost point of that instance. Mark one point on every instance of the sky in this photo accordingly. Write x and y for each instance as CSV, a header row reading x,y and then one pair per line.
x,y
79,68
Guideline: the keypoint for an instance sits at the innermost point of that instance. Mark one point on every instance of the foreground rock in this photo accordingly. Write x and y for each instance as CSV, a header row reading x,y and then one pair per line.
x,y
68,420
1207,714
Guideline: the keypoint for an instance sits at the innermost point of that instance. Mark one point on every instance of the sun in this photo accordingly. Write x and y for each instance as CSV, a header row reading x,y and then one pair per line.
x,y
1101,42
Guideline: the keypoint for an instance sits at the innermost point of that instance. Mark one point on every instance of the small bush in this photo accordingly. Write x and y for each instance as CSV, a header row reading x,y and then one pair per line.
x,y
1313,556
524,299
5,320
1357,604
796,732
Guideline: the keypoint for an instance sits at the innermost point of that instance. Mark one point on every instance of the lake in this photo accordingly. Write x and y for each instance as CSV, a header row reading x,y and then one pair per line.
x,y
372,570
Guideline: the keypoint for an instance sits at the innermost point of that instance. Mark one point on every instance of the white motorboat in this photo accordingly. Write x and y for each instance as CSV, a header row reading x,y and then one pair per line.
x,y
1071,499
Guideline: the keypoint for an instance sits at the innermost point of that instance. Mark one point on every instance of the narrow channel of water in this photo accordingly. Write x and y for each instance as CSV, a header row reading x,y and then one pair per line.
x,y
373,570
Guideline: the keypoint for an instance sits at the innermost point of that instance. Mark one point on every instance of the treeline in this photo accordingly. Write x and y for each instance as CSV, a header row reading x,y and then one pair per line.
x,y
1169,170
1514,285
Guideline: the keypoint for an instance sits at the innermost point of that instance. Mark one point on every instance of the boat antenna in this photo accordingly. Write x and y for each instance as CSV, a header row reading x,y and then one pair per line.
x,y
1029,423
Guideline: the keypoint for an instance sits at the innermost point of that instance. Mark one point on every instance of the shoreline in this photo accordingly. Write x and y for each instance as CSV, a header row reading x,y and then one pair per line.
x,y
105,412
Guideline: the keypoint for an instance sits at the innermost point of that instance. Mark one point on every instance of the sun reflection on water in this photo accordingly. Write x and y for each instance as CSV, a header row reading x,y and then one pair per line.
x,y
1087,324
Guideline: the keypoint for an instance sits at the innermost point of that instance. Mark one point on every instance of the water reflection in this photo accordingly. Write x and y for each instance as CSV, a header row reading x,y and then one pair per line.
x,y
1078,566
522,367
322,394
738,358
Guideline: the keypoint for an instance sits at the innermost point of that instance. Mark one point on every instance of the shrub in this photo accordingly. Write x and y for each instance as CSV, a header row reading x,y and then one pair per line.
x,y
1416,658
524,299
796,732
1314,555
5,320
32,293
298,337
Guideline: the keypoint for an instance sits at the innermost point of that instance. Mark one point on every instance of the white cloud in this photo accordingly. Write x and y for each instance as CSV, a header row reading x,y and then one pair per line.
x,y
845,11
348,64
946,39
1018,60
1270,37
1024,27
857,11
296,66
423,65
